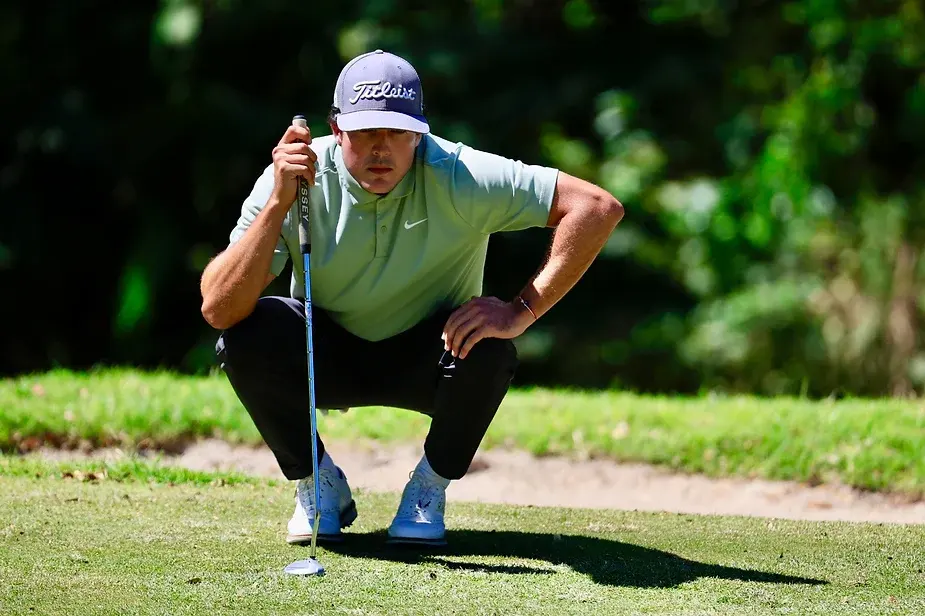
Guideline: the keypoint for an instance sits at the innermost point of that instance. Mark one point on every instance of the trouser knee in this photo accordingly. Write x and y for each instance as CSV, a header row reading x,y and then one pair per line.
x,y
250,342
490,357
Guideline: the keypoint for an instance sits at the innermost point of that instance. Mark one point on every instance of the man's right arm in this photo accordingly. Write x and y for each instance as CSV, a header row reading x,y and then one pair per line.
x,y
233,281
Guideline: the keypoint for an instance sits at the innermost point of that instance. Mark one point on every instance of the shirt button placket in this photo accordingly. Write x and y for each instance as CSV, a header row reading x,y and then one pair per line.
x,y
382,238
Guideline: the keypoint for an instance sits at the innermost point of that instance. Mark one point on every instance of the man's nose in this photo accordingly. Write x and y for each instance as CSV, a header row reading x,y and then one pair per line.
x,y
382,141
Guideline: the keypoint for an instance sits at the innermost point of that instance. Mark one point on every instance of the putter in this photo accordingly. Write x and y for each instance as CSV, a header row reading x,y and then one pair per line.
x,y
308,566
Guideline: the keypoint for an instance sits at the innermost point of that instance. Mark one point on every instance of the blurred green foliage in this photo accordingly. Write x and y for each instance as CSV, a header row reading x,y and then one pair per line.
x,y
769,155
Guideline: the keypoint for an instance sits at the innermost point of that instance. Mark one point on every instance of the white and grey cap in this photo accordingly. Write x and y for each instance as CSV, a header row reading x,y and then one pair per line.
x,y
380,90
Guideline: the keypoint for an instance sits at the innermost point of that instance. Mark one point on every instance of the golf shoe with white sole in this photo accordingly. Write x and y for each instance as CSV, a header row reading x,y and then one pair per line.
x,y
419,520
337,507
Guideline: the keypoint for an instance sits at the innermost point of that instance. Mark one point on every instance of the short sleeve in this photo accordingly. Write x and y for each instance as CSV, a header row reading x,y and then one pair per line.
x,y
493,193
252,206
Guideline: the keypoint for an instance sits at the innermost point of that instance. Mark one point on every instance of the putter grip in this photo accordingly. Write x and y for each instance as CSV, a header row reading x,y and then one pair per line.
x,y
305,228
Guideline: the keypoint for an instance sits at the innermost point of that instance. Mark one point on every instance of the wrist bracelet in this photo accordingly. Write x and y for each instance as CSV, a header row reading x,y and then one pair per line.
x,y
527,306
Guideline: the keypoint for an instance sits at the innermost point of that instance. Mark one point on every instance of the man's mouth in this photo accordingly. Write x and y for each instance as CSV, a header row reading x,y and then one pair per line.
x,y
380,170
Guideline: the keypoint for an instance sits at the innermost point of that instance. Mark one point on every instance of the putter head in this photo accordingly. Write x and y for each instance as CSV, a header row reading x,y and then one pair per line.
x,y
308,566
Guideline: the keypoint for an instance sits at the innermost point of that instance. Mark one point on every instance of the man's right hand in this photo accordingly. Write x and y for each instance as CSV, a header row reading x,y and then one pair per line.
x,y
292,159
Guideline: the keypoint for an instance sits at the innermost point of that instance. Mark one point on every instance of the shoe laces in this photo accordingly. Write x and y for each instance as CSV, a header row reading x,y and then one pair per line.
x,y
420,495
327,488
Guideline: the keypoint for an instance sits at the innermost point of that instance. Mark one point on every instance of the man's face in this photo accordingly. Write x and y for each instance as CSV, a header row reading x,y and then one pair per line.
x,y
377,158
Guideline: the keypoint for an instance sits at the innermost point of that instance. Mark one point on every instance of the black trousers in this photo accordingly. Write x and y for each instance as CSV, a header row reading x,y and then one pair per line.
x,y
265,359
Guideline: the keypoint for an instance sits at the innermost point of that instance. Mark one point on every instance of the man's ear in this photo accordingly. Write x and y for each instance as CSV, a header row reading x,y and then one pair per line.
x,y
417,139
338,134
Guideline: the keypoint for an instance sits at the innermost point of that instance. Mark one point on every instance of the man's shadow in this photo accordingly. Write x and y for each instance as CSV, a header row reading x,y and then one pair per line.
x,y
606,562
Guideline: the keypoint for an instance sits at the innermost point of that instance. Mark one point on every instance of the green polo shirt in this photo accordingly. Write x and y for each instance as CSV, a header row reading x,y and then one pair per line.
x,y
380,264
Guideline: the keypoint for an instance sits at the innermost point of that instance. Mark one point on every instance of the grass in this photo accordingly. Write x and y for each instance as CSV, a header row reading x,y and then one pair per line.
x,y
145,544
869,444
128,469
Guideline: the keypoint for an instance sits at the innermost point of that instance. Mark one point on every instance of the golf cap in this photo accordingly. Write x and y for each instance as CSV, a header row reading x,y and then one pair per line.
x,y
380,90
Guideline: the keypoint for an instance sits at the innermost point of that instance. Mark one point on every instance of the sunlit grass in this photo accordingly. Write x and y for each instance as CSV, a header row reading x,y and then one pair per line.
x,y
142,546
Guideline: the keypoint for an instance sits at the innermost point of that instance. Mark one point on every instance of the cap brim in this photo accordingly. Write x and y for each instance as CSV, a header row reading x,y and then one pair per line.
x,y
362,120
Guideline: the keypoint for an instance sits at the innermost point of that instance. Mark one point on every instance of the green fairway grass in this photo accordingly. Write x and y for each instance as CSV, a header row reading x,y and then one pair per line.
x,y
870,444
149,543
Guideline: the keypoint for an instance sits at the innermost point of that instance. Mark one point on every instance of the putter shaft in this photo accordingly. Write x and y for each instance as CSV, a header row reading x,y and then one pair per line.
x,y
306,248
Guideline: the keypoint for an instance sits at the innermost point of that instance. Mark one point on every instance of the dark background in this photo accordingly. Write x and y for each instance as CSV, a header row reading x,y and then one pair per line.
x,y
769,156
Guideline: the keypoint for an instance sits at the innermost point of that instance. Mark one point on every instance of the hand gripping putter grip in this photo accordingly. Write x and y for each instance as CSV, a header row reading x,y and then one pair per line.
x,y
309,566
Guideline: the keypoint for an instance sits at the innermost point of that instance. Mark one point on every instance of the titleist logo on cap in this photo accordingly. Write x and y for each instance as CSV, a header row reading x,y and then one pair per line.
x,y
376,89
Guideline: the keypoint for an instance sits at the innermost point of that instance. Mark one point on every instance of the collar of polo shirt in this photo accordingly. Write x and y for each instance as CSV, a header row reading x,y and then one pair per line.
x,y
360,195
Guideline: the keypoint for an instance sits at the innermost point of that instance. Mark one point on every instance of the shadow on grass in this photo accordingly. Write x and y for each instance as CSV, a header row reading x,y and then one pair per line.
x,y
607,562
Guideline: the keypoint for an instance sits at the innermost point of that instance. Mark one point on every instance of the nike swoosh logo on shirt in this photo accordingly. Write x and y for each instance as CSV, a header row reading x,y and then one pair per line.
x,y
409,225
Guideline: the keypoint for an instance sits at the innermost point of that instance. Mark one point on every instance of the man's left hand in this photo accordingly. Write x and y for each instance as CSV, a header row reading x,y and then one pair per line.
x,y
483,317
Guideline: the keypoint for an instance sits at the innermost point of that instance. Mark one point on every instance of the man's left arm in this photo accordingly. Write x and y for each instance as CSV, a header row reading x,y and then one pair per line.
x,y
583,216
